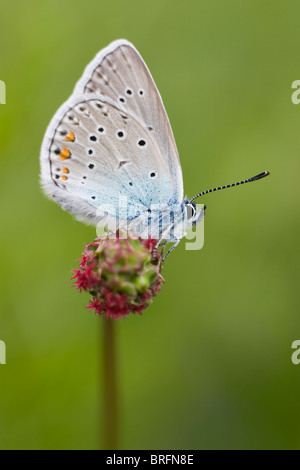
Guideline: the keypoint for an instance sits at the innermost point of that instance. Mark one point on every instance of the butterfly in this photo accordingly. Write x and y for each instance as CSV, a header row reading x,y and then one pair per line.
x,y
109,156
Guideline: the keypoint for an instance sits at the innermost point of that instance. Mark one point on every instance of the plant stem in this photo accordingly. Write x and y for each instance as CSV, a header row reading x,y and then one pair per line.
x,y
111,415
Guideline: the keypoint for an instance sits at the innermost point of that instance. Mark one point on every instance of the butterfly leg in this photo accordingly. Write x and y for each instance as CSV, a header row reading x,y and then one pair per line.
x,y
159,243
116,234
108,235
163,245
176,243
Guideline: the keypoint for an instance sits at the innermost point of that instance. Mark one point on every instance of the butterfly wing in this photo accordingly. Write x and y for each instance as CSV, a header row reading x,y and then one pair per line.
x,y
98,148
119,72
93,154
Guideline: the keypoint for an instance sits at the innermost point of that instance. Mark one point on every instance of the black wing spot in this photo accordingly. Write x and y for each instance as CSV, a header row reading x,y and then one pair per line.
x,y
141,142
91,166
120,134
93,138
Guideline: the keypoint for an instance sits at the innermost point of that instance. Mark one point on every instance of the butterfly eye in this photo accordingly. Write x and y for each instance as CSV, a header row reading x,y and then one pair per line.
x,y
190,211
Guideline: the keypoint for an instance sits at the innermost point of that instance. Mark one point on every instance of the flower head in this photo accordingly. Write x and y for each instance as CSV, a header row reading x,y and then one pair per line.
x,y
121,274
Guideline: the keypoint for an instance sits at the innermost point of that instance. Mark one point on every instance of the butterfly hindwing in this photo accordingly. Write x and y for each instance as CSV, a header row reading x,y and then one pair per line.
x,y
93,154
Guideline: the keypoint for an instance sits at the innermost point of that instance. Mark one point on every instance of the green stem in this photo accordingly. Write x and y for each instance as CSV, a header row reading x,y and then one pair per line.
x,y
111,415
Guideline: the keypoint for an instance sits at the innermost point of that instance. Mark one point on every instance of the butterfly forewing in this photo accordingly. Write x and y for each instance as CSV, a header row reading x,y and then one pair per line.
x,y
120,73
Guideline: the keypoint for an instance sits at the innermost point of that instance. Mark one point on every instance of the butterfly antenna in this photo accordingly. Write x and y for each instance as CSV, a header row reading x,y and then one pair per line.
x,y
254,178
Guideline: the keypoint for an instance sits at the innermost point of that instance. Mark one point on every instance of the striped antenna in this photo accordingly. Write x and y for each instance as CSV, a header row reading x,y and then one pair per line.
x,y
254,178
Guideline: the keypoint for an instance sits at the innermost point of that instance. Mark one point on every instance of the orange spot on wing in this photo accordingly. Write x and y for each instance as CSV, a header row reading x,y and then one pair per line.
x,y
65,153
65,171
70,137
64,178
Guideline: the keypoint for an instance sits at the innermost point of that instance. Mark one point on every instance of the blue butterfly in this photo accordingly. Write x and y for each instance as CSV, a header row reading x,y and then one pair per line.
x,y
109,156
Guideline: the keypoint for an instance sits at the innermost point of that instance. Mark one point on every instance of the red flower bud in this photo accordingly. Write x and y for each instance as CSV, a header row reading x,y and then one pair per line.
x,y
121,274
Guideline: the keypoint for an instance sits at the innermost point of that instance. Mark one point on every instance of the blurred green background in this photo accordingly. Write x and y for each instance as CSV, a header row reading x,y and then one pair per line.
x,y
208,365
